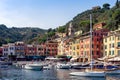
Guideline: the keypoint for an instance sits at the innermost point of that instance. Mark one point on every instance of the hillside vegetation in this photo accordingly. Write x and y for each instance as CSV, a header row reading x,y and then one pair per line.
x,y
106,13
9,35
110,16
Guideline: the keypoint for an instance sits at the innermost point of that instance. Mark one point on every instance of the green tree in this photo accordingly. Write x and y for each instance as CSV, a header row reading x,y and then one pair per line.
x,y
85,25
106,6
116,18
118,4
61,29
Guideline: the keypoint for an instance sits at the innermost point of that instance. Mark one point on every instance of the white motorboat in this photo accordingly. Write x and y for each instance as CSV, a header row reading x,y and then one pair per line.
x,y
47,67
90,73
63,66
33,66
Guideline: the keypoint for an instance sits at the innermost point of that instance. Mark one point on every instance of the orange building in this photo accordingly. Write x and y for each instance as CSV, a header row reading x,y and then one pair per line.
x,y
49,48
97,43
30,50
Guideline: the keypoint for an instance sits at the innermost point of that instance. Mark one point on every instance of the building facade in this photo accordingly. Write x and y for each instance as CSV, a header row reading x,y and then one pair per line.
x,y
8,49
1,51
30,50
19,49
112,44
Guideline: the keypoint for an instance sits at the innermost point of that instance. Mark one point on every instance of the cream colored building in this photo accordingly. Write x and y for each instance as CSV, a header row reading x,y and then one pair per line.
x,y
112,44
74,48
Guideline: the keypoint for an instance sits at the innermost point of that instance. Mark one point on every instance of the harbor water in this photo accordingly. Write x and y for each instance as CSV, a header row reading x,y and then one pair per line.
x,y
13,73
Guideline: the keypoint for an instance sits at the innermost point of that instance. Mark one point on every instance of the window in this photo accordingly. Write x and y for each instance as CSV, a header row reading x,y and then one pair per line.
x,y
97,52
112,53
105,40
118,44
74,48
109,45
118,52
112,45
110,38
77,46
113,38
109,52
73,53
77,53
97,46
105,53
118,37
105,46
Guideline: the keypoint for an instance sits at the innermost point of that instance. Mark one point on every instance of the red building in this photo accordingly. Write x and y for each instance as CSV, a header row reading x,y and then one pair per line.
x,y
1,51
30,50
97,43
49,48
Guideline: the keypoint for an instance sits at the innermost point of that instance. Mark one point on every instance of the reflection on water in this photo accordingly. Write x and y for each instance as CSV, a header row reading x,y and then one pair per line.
x,y
86,78
21,74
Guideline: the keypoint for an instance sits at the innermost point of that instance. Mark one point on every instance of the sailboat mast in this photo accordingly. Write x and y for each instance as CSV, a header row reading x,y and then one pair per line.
x,y
91,41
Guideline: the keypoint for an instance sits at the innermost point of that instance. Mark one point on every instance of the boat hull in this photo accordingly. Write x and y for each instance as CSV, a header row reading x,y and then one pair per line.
x,y
88,74
115,72
33,67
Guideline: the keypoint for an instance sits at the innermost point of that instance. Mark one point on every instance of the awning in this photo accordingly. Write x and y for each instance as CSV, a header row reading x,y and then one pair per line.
x,y
115,59
74,58
102,58
54,59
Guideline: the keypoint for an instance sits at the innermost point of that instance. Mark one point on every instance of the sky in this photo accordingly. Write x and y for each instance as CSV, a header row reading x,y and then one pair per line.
x,y
44,14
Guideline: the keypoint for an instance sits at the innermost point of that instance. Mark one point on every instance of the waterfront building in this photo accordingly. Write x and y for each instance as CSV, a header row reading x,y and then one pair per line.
x,y
97,43
8,49
1,51
63,47
30,50
51,48
112,44
84,48
19,49
74,45
40,50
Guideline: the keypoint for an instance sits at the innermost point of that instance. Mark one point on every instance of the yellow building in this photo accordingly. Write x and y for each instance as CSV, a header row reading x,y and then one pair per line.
x,y
112,44
74,48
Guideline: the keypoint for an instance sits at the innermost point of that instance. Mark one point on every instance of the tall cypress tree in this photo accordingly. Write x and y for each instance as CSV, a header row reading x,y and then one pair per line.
x,y
117,3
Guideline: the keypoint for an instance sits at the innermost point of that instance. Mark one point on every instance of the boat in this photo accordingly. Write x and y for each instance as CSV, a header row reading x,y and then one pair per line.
x,y
33,66
80,65
90,73
63,66
48,67
76,65
112,72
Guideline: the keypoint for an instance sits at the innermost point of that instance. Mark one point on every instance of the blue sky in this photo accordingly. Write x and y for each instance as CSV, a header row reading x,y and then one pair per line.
x,y
44,14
